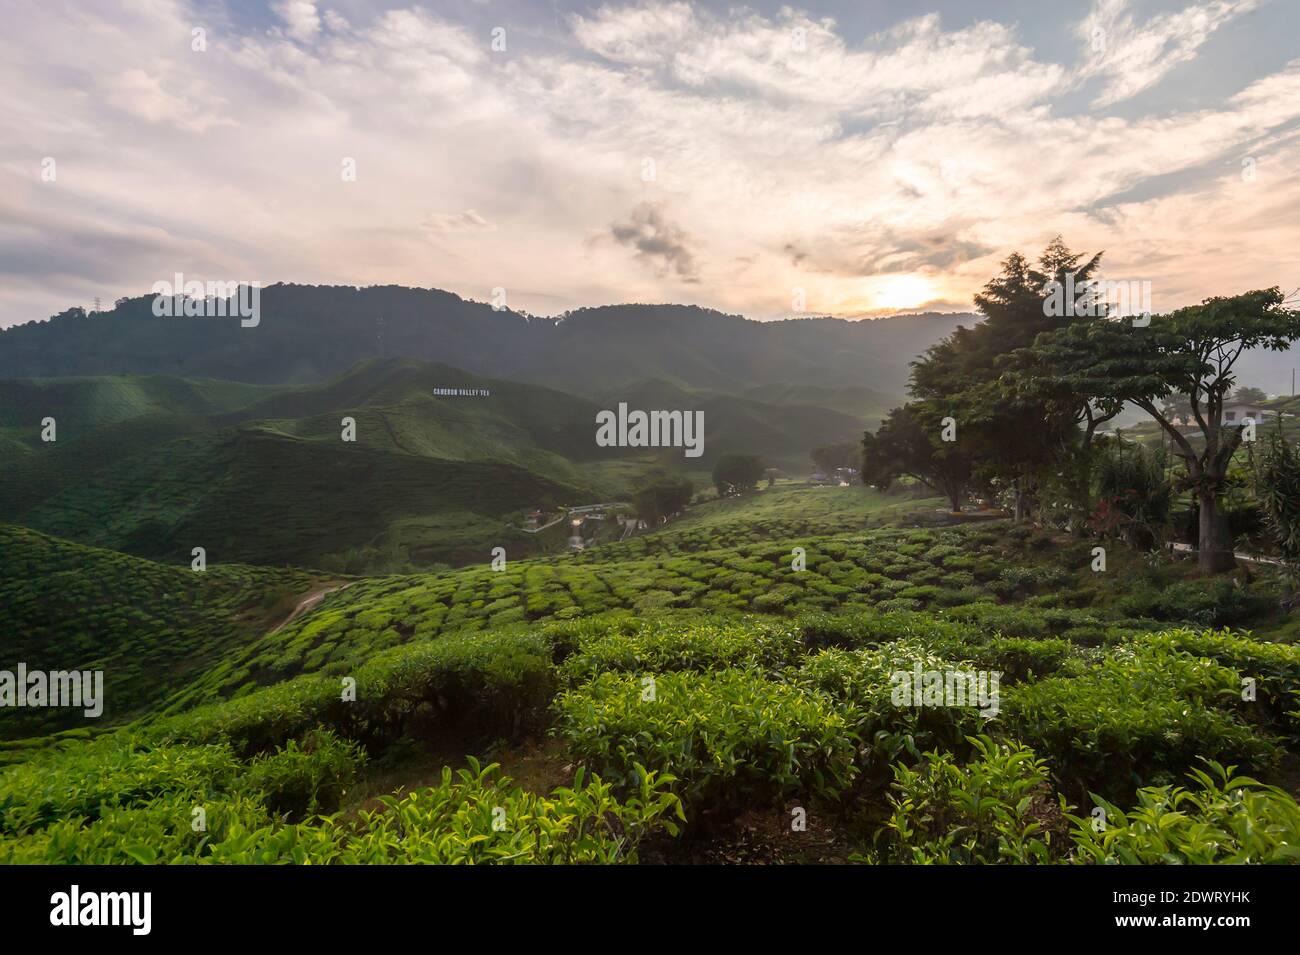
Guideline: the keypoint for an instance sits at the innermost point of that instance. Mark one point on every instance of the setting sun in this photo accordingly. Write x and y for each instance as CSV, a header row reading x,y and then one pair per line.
x,y
899,291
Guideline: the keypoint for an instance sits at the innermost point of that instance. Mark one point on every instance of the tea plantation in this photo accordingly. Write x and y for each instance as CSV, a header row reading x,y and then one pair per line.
x,y
692,695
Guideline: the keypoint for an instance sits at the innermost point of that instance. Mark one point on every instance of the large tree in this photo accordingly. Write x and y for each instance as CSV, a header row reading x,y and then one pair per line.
x,y
1190,352
662,497
1012,437
908,445
734,473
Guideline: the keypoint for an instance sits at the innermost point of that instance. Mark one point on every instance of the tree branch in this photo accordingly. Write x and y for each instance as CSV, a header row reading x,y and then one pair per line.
x,y
1185,448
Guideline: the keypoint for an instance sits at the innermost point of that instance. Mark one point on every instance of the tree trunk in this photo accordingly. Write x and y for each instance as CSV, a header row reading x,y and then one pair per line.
x,y
1215,538
1020,506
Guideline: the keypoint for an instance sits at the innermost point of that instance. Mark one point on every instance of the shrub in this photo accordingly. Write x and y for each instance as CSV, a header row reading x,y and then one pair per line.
x,y
690,644
1217,603
474,816
859,682
156,831
1274,666
494,683
731,738
115,773
1140,717
995,808
1226,820
1020,658
302,780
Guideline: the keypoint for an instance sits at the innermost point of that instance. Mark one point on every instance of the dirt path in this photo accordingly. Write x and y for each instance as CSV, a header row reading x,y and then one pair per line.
x,y
308,603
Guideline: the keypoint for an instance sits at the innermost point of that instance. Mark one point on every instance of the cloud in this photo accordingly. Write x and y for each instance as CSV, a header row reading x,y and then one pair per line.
x,y
657,240
467,221
1133,56
301,20
144,96
789,151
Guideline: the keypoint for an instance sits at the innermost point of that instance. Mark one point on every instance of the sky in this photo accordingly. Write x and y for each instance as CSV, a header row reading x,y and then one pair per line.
x,y
852,159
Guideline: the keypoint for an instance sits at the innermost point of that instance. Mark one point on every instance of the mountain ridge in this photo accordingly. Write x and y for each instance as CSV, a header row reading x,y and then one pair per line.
x,y
309,333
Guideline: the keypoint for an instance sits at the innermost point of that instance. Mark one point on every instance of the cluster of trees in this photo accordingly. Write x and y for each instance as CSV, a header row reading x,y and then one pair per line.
x,y
1012,408
737,473
830,458
663,497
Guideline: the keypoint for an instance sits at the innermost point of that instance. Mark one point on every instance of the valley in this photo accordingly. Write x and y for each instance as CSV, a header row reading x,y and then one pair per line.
x,y
439,620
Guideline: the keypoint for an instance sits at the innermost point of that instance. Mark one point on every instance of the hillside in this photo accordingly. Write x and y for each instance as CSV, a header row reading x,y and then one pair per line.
x,y
773,688
152,629
155,466
309,333
429,477
868,406
84,404
782,431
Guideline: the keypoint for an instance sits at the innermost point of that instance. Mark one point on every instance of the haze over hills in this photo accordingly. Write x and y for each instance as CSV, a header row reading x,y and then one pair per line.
x,y
155,466
782,432
308,333
273,481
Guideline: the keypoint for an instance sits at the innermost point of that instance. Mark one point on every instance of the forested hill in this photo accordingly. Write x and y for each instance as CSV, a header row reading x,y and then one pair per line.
x,y
308,333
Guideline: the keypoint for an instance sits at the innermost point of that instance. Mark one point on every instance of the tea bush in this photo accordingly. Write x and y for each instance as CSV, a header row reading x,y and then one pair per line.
x,y
859,682
307,779
474,816
999,807
114,773
1274,666
496,683
996,808
732,738
1139,717
1226,819
667,645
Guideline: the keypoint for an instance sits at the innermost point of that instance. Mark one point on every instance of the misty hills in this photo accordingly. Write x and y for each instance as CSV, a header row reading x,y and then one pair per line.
x,y
271,480
310,333
176,432
154,465
782,431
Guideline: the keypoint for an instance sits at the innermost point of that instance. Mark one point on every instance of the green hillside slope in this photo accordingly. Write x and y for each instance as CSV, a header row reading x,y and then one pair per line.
x,y
782,433
151,629
79,405
430,477
443,466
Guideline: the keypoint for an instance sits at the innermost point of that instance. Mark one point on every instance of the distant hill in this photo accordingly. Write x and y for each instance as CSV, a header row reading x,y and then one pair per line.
x,y
868,406
782,432
155,466
310,333
429,478
95,402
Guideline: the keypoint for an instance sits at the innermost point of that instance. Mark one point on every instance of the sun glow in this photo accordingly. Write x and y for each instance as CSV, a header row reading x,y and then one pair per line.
x,y
899,291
